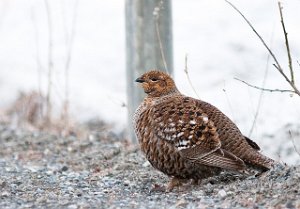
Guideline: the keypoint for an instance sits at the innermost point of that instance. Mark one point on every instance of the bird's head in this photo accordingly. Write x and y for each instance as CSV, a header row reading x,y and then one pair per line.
x,y
157,83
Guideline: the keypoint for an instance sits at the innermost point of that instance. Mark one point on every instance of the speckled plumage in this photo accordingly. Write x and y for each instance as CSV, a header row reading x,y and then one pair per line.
x,y
187,138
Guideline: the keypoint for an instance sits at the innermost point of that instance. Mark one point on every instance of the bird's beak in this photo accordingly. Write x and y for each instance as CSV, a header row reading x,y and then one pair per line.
x,y
139,80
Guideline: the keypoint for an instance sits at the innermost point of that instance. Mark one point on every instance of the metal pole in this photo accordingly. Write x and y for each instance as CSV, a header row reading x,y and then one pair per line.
x,y
148,45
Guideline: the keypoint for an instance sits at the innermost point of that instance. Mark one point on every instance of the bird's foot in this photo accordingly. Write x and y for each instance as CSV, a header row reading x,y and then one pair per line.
x,y
157,188
196,181
175,182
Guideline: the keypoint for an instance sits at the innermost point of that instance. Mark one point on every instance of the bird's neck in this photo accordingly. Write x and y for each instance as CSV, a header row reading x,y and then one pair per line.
x,y
172,92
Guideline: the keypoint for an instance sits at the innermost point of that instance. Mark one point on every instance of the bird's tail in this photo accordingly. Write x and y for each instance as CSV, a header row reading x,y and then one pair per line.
x,y
260,161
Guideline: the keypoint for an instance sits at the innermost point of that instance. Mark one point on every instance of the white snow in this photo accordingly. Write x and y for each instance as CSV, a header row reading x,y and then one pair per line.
x,y
219,44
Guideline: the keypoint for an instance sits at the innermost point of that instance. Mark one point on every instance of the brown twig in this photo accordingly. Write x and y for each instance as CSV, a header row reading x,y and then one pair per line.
x,y
265,89
50,63
286,43
187,75
161,48
257,34
277,65
38,61
69,45
296,90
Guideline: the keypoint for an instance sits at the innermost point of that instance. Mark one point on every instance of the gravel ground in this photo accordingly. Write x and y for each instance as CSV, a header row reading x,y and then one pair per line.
x,y
38,170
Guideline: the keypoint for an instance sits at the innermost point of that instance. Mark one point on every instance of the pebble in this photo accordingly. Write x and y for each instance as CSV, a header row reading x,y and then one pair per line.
x,y
222,193
64,168
73,206
2,183
5,194
66,178
146,164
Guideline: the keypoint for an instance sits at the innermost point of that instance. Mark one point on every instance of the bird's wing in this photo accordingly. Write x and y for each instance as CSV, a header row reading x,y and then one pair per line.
x,y
184,125
225,126
218,158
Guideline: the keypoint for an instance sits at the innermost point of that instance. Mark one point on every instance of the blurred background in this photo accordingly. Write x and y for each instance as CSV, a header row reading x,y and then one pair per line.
x,y
83,43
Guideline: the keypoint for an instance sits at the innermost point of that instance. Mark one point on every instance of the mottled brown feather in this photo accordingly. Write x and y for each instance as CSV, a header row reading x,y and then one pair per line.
x,y
187,138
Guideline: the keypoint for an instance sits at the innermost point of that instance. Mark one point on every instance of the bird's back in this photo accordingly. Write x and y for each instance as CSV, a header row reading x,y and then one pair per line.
x,y
233,140
187,138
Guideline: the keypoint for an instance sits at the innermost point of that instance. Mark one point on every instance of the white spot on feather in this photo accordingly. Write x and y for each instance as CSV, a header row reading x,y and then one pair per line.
x,y
180,134
166,130
173,130
192,122
157,120
205,119
172,124
159,133
183,142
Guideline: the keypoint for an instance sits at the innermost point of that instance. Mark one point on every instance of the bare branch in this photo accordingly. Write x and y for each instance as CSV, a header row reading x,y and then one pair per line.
x,y
277,65
257,34
69,45
38,61
286,44
188,77
50,62
265,89
161,48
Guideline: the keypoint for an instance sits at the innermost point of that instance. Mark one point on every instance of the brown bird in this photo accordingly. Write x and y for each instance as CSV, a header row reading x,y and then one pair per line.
x,y
187,138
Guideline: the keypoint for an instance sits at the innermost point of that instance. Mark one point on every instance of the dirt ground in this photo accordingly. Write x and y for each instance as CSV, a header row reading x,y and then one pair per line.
x,y
39,170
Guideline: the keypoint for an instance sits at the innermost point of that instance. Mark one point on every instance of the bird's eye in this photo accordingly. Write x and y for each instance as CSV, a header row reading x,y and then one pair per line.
x,y
154,79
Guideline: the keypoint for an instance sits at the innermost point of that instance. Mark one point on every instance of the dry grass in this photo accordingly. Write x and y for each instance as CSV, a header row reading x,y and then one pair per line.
x,y
29,111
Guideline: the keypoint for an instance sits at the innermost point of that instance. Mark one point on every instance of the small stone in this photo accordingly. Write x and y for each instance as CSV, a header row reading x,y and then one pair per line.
x,y
73,206
222,193
126,183
5,194
91,137
46,151
146,164
181,203
2,183
290,204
